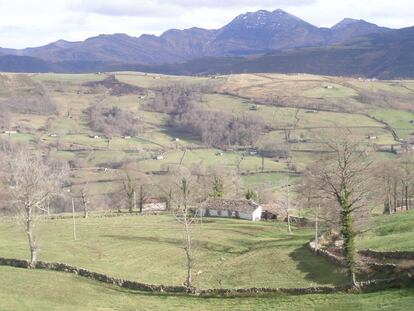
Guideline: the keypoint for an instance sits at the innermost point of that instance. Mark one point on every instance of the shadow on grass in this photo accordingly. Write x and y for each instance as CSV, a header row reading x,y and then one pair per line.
x,y
318,269
179,243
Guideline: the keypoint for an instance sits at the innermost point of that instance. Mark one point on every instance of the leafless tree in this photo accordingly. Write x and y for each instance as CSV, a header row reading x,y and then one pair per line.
x,y
187,218
186,195
343,176
130,192
407,180
32,180
288,203
388,173
84,195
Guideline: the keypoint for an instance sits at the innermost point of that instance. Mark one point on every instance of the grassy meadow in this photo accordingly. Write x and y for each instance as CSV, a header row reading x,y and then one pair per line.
x,y
390,233
23,290
228,253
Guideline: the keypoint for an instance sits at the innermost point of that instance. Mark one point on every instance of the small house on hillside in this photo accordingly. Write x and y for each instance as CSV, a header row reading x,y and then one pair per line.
x,y
154,205
242,209
10,132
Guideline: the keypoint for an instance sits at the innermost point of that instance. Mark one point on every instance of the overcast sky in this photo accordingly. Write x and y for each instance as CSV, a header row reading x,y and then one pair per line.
x,y
26,23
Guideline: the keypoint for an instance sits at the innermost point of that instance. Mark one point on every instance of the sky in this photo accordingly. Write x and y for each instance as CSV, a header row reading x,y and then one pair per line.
x,y
27,23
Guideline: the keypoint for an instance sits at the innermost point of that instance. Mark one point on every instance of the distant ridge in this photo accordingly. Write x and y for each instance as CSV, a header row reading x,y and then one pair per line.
x,y
247,34
259,41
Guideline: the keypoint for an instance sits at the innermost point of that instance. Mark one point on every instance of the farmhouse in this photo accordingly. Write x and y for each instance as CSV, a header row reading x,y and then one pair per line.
x,y
243,209
154,205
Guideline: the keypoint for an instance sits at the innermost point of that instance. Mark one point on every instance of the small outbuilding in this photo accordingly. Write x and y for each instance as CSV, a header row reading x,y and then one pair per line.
x,y
241,209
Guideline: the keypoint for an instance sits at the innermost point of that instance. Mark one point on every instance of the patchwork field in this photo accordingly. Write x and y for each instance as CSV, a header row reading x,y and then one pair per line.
x,y
307,107
297,113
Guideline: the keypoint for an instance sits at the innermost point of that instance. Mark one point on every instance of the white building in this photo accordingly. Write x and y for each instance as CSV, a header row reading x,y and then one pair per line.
x,y
242,209
154,205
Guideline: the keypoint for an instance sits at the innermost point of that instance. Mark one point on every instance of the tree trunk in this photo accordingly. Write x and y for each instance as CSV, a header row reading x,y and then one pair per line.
x,y
73,219
30,236
188,253
288,223
317,229
141,198
395,196
188,244
407,204
349,237
85,205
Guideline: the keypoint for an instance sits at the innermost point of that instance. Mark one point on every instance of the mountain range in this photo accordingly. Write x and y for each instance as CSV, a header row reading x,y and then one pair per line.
x,y
255,41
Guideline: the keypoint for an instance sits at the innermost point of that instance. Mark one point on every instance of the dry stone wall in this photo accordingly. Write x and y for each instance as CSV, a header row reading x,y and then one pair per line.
x,y
219,292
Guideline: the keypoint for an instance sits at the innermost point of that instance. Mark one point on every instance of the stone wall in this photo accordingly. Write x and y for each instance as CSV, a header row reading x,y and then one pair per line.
x,y
219,292
337,260
100,277
399,255
392,270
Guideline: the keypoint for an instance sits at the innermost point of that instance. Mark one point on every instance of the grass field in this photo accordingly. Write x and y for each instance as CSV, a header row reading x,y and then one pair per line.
x,y
397,119
390,233
23,290
228,253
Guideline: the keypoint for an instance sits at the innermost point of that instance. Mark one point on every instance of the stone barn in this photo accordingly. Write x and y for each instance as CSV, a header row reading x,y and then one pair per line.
x,y
242,209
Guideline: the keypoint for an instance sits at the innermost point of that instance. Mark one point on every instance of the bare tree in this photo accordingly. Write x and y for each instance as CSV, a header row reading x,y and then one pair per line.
x,y
129,188
186,194
343,175
407,180
32,180
186,217
84,195
288,203
388,173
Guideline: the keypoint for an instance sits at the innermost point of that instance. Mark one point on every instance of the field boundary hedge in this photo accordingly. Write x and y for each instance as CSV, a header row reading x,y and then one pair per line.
x,y
220,292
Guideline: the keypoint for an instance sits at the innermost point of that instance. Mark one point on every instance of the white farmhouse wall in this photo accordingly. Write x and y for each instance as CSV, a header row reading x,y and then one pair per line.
x,y
152,207
254,216
257,214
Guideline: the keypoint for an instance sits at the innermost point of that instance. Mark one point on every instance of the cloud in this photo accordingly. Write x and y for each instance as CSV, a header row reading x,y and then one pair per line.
x,y
174,8
36,22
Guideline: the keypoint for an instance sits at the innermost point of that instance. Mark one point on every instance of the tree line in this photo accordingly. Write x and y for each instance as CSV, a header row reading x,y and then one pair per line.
x,y
113,121
218,129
